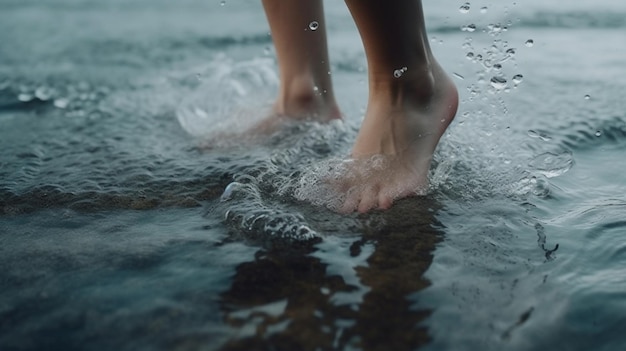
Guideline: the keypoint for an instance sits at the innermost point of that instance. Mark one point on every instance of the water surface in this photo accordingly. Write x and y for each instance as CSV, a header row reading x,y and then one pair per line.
x,y
114,232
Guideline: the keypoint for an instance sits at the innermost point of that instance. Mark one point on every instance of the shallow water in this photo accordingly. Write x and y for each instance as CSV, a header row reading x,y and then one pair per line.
x,y
116,230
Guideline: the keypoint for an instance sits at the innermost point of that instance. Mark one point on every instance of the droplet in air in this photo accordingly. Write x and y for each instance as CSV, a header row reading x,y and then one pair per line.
x,y
587,97
464,8
498,82
517,79
483,9
61,103
469,28
43,93
314,25
598,133
399,72
24,97
529,43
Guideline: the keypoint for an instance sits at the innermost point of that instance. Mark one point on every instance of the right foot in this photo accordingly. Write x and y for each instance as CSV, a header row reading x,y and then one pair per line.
x,y
405,119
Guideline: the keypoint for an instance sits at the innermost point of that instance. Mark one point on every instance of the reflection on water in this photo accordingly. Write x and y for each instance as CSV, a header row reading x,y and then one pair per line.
x,y
340,293
103,242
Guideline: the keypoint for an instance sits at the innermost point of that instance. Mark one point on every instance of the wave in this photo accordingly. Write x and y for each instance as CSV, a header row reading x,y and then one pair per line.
x,y
574,19
549,20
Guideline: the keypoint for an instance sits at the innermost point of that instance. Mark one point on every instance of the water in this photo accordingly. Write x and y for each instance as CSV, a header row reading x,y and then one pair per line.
x,y
115,231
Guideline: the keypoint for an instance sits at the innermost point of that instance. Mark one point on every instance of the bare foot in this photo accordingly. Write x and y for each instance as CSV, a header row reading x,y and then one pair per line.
x,y
406,116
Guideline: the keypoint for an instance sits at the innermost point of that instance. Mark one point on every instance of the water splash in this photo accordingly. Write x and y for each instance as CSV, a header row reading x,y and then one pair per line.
x,y
552,164
229,98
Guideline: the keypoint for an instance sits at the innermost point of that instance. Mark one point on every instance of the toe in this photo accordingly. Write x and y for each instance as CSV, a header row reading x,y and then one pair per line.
x,y
369,199
385,200
353,197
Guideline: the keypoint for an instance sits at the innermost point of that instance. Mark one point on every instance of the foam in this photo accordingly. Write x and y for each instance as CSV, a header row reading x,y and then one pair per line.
x,y
243,208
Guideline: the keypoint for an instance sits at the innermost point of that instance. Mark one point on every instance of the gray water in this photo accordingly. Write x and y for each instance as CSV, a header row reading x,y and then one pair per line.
x,y
116,233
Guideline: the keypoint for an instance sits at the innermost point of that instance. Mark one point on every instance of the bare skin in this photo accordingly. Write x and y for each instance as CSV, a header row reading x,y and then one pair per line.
x,y
305,90
411,99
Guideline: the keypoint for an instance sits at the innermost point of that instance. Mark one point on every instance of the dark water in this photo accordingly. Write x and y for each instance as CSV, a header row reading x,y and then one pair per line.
x,y
115,233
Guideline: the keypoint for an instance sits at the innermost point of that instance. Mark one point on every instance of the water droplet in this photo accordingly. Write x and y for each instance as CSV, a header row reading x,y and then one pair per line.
x,y
598,133
314,25
517,78
61,102
469,28
24,97
464,8
529,43
483,9
498,82
587,97
43,93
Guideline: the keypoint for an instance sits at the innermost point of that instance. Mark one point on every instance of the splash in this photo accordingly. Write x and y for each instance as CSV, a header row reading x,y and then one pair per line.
x,y
229,98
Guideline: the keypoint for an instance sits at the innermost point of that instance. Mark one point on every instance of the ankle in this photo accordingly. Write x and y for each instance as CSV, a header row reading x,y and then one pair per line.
x,y
300,97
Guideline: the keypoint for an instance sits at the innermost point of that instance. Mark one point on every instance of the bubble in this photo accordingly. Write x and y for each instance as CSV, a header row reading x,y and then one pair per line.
x,y
464,8
223,2
483,9
517,78
598,133
497,66
314,25
510,52
529,43
498,82
469,28
469,56
587,97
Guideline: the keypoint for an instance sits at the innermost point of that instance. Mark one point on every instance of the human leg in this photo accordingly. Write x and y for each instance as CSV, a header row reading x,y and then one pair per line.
x,y
299,34
411,103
